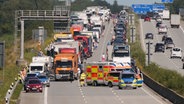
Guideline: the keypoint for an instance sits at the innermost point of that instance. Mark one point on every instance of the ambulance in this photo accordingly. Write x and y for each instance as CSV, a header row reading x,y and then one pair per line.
x,y
96,73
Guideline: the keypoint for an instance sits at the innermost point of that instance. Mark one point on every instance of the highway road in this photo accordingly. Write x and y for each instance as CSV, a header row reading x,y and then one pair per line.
x,y
72,93
163,59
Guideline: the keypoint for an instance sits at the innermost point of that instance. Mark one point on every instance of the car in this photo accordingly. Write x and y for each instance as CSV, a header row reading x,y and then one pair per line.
x,y
162,29
147,18
169,42
149,36
159,47
27,79
158,18
44,80
164,37
176,52
34,85
158,24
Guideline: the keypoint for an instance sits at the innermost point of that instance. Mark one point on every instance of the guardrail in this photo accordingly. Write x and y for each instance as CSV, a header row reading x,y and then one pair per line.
x,y
11,90
163,91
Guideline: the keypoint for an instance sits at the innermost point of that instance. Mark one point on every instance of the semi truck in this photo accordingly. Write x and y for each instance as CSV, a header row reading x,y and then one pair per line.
x,y
175,20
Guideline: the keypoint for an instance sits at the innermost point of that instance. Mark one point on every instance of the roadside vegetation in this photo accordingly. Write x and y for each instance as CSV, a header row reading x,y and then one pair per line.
x,y
168,78
7,10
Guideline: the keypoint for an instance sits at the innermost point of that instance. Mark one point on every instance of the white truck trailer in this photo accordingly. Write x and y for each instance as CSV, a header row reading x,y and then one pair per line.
x,y
166,15
175,20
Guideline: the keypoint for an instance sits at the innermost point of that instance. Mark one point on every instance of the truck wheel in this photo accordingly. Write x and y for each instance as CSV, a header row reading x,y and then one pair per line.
x,y
95,83
119,87
110,84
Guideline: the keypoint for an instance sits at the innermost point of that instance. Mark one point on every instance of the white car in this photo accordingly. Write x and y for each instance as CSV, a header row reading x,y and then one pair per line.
x,y
176,52
162,29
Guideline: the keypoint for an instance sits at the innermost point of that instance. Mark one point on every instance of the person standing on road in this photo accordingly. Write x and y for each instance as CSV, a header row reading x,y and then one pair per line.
x,y
103,57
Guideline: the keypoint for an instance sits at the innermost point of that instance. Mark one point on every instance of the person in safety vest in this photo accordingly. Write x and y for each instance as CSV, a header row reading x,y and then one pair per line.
x,y
82,79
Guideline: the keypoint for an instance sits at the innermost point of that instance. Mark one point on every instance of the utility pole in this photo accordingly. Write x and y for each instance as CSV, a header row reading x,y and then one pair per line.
x,y
132,33
149,53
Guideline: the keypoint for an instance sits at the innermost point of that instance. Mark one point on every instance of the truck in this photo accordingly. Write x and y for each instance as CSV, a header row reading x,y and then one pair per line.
x,y
66,64
121,53
37,67
175,20
87,44
166,15
48,60
63,37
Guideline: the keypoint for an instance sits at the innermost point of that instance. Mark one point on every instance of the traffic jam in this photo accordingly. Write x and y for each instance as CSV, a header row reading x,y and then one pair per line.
x,y
66,55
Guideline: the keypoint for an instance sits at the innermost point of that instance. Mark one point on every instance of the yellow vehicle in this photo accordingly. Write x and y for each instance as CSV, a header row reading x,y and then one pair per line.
x,y
63,37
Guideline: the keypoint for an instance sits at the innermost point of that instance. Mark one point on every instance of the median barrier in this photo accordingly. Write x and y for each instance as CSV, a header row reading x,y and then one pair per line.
x,y
163,91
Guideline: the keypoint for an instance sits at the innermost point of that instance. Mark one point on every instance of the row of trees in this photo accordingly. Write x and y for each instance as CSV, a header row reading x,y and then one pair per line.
x,y
8,7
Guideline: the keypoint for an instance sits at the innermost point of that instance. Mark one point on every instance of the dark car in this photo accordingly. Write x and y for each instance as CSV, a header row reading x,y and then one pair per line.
x,y
159,47
169,42
147,18
149,36
164,37
158,24
34,85
118,41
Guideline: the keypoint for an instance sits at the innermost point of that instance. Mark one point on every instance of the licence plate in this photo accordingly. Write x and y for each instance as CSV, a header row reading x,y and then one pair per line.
x,y
34,88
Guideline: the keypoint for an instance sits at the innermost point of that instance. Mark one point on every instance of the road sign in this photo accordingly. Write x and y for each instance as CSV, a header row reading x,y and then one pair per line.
x,y
2,52
167,1
144,8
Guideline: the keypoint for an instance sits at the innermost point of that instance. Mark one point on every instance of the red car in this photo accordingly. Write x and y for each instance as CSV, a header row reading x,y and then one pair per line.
x,y
34,85
147,18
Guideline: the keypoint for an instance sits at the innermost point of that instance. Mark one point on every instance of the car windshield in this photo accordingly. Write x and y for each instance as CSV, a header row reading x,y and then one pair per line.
x,y
42,77
127,75
34,82
64,64
176,49
36,68
31,75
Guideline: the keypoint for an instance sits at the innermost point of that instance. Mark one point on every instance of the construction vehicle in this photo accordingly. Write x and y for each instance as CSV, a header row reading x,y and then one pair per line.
x,y
66,64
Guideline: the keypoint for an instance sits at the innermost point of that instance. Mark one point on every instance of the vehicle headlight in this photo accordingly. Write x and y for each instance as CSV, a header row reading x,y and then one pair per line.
x,y
134,81
28,86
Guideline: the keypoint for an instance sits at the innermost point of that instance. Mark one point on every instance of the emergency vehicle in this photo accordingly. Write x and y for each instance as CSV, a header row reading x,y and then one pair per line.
x,y
96,73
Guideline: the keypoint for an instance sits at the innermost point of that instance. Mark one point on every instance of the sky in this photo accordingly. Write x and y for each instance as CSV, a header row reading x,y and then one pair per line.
x,y
130,2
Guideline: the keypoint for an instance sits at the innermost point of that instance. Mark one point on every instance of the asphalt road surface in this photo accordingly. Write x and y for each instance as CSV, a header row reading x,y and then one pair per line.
x,y
163,59
72,93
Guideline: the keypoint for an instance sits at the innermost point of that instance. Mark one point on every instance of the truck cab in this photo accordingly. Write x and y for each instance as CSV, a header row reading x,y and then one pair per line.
x,y
37,67
65,65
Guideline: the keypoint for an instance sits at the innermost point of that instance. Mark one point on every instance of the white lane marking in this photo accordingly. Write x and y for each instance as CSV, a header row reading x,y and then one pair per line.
x,y
157,40
152,96
181,29
118,97
45,95
82,94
